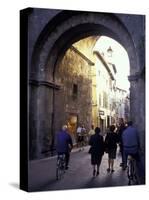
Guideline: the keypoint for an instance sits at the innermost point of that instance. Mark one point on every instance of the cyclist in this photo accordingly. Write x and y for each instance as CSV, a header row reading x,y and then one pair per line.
x,y
131,145
64,144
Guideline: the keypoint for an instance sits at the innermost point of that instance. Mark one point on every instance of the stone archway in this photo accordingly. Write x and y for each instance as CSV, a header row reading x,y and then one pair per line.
x,y
78,26
67,30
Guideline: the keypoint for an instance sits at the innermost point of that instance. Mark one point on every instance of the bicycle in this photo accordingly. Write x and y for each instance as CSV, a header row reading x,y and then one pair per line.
x,y
132,171
60,166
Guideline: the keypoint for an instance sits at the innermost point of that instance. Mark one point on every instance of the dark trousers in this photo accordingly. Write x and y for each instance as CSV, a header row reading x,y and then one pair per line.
x,y
67,157
122,153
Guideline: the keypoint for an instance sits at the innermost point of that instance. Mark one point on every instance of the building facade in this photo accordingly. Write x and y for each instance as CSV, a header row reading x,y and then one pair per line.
x,y
105,78
73,104
122,105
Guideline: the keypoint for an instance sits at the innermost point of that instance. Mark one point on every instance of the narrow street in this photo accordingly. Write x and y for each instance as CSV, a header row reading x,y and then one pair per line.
x,y
42,175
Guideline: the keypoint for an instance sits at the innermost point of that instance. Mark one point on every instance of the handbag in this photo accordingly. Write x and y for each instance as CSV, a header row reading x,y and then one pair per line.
x,y
106,150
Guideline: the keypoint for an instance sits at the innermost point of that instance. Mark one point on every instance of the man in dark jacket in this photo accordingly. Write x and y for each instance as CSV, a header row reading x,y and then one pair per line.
x,y
64,144
131,143
96,150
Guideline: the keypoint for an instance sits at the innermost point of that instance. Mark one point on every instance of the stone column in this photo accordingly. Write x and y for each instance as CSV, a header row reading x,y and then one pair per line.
x,y
137,104
41,105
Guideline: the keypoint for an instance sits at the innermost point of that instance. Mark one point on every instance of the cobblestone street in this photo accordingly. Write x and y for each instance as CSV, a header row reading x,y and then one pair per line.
x,y
42,175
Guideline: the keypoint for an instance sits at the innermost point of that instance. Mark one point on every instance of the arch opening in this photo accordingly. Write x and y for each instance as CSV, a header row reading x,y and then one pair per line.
x,y
80,68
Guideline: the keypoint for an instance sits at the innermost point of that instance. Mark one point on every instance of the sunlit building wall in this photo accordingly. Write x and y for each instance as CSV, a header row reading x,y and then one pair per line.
x,y
75,103
122,104
94,100
105,92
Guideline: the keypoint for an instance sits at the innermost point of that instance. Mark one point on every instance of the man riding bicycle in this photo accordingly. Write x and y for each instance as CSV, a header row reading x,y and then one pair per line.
x,y
131,145
64,144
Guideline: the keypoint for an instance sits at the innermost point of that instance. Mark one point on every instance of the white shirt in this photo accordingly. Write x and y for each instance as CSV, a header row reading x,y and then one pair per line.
x,y
79,129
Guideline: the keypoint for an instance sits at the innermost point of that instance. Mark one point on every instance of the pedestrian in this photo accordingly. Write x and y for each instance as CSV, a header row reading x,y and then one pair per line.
x,y
120,131
84,136
80,138
96,150
111,141
64,143
91,131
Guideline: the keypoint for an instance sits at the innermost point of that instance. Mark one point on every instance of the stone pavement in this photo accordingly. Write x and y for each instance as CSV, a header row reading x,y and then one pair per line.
x,y
42,173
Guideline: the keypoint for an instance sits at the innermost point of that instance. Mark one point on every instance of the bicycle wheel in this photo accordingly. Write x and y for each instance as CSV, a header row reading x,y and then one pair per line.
x,y
134,173
60,169
129,172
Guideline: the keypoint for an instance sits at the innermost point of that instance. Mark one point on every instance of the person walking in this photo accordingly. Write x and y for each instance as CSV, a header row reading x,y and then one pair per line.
x,y
91,131
96,150
111,141
84,136
80,137
64,143
120,131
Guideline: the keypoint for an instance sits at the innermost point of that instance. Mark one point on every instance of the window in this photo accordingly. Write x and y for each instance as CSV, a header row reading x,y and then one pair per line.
x,y
100,99
105,100
75,91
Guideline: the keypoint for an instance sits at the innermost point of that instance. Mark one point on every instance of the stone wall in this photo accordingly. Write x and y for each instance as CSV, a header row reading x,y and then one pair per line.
x,y
73,70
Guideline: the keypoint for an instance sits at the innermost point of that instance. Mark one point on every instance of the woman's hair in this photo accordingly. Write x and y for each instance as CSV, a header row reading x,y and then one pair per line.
x,y
97,130
112,128
92,126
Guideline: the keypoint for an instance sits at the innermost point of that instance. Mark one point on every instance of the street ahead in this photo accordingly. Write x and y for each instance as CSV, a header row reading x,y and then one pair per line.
x,y
42,173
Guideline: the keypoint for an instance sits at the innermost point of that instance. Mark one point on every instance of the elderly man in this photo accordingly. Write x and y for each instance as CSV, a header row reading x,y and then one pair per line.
x,y
64,143
131,144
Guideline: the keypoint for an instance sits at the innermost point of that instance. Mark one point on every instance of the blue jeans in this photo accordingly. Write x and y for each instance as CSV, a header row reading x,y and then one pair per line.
x,y
67,157
130,151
